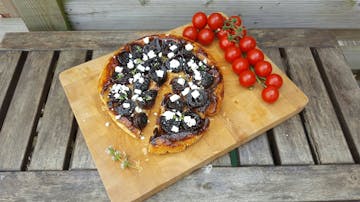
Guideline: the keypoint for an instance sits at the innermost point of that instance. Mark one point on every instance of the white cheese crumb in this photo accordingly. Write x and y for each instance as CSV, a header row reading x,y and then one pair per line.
x,y
193,86
185,91
173,47
140,99
181,81
137,91
175,129
137,76
140,68
130,80
138,109
174,97
205,61
189,47
130,55
146,40
195,94
147,68
174,63
192,64
159,73
170,55
130,64
141,80
168,115
197,75
117,95
134,97
118,69
145,57
126,105
160,54
151,54
189,121
107,124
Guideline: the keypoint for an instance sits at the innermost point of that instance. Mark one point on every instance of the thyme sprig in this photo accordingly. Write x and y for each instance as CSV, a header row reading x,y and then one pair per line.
x,y
123,158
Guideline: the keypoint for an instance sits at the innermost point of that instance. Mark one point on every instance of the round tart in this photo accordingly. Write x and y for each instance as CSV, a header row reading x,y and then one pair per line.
x,y
190,83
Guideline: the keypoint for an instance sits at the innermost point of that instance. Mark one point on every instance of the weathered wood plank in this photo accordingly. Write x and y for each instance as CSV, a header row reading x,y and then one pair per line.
x,y
321,123
81,158
52,186
9,61
56,123
11,25
256,152
41,14
292,183
345,91
290,137
162,14
18,124
101,39
222,161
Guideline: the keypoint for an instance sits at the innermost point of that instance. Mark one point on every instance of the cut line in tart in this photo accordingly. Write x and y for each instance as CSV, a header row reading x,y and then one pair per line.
x,y
178,72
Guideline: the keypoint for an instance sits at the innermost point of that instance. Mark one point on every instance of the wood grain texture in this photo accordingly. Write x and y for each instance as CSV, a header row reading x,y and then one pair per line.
x,y
162,14
41,14
11,25
52,186
21,116
9,60
110,39
344,89
80,86
321,123
302,183
56,122
292,183
290,137
81,158
256,152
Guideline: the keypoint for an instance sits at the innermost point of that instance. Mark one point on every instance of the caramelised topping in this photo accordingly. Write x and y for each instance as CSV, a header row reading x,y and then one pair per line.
x,y
141,68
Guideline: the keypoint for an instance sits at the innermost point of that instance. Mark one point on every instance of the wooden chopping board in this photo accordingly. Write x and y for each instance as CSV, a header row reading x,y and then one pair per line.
x,y
243,117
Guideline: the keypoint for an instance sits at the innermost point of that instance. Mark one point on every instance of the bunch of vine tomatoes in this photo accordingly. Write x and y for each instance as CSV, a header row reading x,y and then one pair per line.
x,y
240,50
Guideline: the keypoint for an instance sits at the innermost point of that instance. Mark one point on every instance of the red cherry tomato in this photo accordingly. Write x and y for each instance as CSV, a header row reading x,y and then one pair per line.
x,y
190,32
239,65
263,68
231,53
270,94
274,80
224,43
206,36
254,56
247,43
247,78
222,33
215,21
237,20
199,20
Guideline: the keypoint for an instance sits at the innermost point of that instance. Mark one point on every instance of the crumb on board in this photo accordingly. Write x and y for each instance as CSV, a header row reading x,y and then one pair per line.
x,y
107,124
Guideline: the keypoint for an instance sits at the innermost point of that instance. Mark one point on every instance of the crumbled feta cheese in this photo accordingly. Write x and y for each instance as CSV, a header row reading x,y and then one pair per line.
x,y
174,97
137,76
189,47
175,129
146,40
137,91
145,57
192,64
117,95
130,80
160,54
195,94
159,73
174,63
140,68
170,55
152,54
140,99
126,105
168,115
141,80
193,86
134,97
173,47
137,61
181,81
185,91
138,109
197,75
205,61
189,121
130,55
118,69
147,68
130,64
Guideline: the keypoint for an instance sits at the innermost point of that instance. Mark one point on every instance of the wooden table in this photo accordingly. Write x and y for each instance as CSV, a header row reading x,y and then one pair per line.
x,y
313,156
